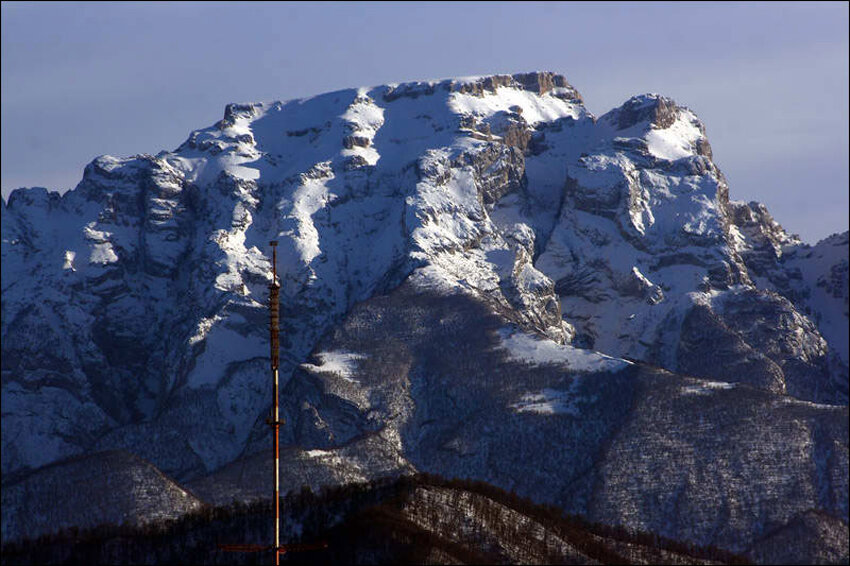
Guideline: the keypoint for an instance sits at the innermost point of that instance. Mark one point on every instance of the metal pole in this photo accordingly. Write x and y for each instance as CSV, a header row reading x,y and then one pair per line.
x,y
274,326
275,422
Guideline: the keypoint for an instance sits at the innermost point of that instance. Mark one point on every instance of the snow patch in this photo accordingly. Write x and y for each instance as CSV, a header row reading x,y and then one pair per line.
x,y
102,254
535,108
795,401
337,362
674,142
317,453
536,351
69,260
204,327
550,402
706,387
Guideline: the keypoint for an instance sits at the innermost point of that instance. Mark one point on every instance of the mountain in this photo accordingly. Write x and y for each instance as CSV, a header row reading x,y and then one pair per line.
x,y
479,278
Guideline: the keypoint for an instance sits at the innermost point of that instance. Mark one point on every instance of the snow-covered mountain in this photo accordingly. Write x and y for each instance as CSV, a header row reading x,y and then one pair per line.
x,y
480,278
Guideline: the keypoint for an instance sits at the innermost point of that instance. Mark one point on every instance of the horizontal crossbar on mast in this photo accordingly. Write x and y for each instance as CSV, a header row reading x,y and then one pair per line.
x,y
244,547
283,549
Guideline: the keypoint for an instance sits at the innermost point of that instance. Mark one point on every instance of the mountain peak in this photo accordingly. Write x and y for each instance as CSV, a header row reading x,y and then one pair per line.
x,y
650,109
537,82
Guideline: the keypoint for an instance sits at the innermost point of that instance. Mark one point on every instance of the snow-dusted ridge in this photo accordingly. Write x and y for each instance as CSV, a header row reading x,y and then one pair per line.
x,y
134,305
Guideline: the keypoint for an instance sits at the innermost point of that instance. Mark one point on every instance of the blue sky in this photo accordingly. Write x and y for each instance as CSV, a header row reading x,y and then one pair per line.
x,y
770,80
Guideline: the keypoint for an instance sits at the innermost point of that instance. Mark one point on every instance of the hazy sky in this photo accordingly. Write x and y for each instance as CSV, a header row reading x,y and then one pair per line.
x,y
770,81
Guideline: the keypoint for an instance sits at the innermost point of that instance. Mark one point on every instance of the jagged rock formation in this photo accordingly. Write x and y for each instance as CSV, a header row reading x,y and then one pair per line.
x,y
454,255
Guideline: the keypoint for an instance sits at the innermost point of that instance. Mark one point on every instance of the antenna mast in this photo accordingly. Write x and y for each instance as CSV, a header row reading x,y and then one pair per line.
x,y
275,422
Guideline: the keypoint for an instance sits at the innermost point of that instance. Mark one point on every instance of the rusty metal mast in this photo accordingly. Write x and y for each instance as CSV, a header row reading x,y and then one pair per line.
x,y
274,339
275,422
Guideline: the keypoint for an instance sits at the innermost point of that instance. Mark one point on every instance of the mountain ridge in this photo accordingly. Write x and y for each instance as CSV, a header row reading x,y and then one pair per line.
x,y
134,305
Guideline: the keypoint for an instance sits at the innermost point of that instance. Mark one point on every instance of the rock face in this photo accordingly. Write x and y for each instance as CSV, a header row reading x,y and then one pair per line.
x,y
453,255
